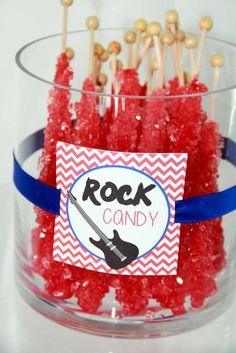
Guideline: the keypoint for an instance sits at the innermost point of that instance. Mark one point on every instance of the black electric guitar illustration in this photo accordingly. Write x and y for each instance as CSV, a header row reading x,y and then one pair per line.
x,y
117,252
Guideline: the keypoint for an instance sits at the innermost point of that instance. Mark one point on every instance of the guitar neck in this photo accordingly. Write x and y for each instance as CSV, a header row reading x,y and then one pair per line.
x,y
96,229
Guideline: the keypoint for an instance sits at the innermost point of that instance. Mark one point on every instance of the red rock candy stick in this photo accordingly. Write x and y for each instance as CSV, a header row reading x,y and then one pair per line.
x,y
153,133
210,144
123,132
203,242
186,118
207,170
88,124
59,125
58,128
207,166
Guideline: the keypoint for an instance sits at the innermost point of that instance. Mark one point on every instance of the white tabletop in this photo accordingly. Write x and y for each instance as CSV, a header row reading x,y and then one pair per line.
x,y
22,330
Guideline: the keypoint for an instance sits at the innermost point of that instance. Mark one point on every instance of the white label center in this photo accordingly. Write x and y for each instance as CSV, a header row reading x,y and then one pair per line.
x,y
116,200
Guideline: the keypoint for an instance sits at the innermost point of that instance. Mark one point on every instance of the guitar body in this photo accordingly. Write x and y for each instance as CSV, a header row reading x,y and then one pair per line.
x,y
130,251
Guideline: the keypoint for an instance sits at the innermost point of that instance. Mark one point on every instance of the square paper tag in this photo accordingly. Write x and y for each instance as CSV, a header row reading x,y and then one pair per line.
x,y
117,210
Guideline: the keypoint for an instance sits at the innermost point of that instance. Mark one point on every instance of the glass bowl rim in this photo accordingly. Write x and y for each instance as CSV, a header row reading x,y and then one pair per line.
x,y
23,68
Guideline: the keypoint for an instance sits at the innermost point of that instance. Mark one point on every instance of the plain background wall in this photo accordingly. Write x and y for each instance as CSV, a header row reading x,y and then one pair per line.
x,y
24,20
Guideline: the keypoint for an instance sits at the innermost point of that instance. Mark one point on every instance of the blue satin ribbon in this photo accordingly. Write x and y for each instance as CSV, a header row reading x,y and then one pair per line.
x,y
192,210
206,207
35,191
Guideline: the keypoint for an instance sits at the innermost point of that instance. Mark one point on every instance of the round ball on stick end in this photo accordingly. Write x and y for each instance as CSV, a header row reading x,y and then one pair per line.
x,y
92,22
130,37
70,53
67,3
180,35
140,25
206,23
167,38
102,79
217,60
154,29
114,47
98,49
172,17
191,42
105,56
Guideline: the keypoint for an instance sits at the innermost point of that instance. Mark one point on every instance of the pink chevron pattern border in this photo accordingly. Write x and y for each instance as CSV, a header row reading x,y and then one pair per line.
x,y
168,169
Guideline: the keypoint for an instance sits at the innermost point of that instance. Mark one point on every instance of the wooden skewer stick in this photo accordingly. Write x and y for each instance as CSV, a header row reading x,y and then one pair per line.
x,y
155,68
155,65
172,18
217,61
98,50
130,38
103,106
92,24
180,36
118,64
103,58
167,39
205,25
148,43
154,30
66,4
114,49
191,43
140,27
187,77
149,72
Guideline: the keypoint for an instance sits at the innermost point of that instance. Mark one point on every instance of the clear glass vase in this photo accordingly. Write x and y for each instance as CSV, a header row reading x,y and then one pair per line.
x,y
120,305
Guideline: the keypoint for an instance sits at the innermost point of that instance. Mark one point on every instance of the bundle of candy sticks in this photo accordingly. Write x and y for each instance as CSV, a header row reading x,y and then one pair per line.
x,y
162,124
